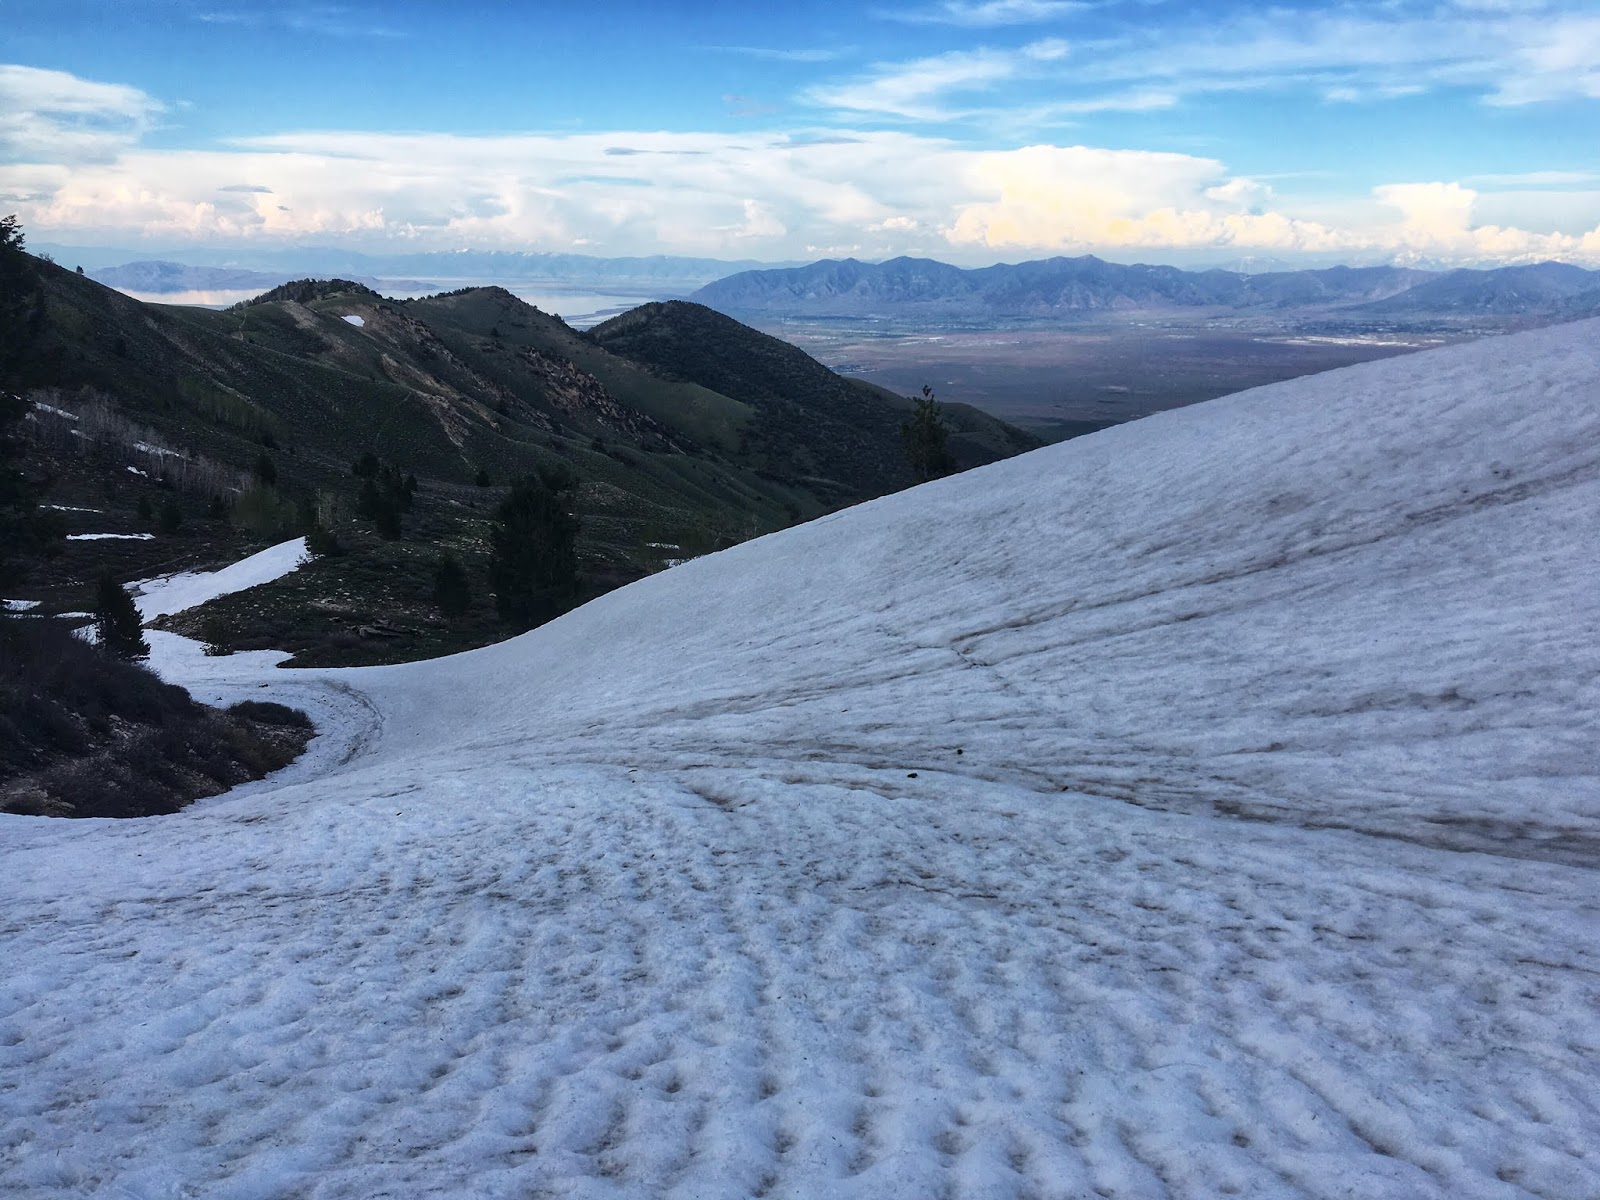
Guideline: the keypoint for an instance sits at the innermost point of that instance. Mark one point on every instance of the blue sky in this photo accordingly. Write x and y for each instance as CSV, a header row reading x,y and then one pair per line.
x,y
968,130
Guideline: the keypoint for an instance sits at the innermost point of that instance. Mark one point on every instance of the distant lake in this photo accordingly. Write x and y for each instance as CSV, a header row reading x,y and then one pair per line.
x,y
577,306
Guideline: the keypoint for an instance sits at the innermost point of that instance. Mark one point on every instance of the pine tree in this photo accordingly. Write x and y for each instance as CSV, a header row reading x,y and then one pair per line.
x,y
533,560
451,591
21,306
927,438
266,471
117,619
26,530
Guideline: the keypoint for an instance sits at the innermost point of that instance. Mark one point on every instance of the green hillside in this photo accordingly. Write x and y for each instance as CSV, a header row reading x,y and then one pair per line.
x,y
685,430
807,423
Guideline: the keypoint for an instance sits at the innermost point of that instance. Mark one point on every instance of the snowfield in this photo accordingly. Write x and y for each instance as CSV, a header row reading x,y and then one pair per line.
x,y
1208,807
176,593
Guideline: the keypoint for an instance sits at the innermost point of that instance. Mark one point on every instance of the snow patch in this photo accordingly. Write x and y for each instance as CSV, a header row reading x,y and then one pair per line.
x,y
176,593
19,605
114,537
355,319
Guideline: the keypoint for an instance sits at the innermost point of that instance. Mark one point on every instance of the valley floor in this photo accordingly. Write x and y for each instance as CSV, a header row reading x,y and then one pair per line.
x,y
1205,808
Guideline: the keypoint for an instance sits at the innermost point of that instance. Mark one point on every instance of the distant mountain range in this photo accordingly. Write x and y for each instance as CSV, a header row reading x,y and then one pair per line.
x,y
158,277
1056,287
662,273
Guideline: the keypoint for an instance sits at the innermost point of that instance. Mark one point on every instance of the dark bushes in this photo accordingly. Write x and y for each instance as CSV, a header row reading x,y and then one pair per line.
x,y
83,733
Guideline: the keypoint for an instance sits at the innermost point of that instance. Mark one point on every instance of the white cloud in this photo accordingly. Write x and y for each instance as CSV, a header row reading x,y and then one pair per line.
x,y
1436,221
917,89
324,20
980,13
811,55
1508,53
753,194
1078,199
1054,198
1555,60
54,117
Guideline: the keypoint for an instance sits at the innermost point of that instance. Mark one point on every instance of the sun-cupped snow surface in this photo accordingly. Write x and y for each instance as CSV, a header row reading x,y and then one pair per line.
x,y
176,593
1207,807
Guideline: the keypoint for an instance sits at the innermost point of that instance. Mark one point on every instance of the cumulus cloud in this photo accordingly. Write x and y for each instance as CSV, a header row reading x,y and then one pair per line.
x,y
1437,220
54,117
758,194
1080,197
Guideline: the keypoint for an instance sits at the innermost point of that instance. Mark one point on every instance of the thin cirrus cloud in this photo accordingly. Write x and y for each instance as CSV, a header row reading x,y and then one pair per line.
x,y
986,13
326,20
923,88
815,54
1509,55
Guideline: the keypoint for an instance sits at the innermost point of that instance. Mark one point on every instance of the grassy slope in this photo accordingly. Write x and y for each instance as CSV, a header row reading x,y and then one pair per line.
x,y
677,453
808,423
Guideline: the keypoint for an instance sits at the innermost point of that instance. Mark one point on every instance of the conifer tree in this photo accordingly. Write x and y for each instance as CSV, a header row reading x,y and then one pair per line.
x,y
451,591
117,619
927,438
533,560
21,306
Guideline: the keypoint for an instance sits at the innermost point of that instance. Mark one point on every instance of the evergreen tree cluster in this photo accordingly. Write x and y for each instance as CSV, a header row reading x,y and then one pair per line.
x,y
26,530
533,555
21,306
385,494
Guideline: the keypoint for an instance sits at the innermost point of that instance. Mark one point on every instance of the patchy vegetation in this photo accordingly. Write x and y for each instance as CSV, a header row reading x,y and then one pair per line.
x,y
84,734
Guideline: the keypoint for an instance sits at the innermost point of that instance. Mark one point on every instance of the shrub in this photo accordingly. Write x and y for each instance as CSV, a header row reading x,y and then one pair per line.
x,y
322,542
268,713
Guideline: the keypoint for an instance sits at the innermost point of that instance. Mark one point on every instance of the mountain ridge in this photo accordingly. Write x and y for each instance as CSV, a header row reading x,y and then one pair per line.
x,y
267,405
1087,284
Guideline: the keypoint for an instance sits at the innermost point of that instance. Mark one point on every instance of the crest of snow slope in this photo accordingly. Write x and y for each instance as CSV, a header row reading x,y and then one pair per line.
x,y
175,593
1206,807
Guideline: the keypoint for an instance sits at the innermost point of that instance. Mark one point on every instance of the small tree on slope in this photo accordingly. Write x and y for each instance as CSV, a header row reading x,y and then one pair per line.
x,y
533,559
117,619
927,439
